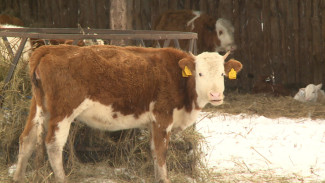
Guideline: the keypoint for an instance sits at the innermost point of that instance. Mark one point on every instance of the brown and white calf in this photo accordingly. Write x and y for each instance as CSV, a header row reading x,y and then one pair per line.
x,y
9,19
213,35
114,88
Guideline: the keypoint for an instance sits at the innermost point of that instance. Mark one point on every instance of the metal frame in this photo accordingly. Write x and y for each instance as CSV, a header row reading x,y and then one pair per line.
x,y
80,34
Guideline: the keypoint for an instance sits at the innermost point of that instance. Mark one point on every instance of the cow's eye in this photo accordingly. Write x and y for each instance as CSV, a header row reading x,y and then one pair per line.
x,y
222,74
220,33
200,74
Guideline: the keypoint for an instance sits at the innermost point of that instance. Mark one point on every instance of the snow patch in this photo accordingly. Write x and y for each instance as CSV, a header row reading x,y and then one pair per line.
x,y
284,146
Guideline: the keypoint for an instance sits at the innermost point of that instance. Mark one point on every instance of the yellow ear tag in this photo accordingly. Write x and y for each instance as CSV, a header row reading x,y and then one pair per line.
x,y
232,74
183,74
186,72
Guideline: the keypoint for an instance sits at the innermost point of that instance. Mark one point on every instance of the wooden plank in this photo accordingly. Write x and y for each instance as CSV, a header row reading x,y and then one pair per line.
x,y
285,36
296,41
316,42
269,67
225,8
322,46
304,61
276,54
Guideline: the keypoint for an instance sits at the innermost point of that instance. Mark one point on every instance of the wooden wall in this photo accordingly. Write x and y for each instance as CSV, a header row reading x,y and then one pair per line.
x,y
285,37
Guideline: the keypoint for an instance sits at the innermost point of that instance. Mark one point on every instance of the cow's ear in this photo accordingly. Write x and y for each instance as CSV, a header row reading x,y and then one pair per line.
x,y
189,62
319,86
232,64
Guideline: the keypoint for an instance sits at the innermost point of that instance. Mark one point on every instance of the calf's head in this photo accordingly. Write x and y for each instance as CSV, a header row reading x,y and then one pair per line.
x,y
311,92
209,70
225,31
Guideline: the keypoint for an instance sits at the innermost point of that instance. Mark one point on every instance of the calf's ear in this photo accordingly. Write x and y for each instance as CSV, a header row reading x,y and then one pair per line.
x,y
319,86
232,64
189,62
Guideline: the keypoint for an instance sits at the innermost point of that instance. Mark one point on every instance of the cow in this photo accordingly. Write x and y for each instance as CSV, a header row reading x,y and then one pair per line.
x,y
266,84
113,88
311,93
8,19
213,35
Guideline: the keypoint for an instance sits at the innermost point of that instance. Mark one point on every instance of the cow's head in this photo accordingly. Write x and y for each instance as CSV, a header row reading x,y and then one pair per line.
x,y
225,31
311,92
209,70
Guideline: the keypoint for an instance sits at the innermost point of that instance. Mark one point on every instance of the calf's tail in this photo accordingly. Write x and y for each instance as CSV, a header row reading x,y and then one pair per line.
x,y
34,61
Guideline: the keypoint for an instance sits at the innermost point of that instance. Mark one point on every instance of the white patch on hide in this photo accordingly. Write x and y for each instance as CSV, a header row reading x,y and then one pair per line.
x,y
183,119
38,122
103,117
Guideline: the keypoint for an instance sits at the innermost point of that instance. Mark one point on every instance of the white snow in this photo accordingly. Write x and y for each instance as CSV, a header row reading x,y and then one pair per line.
x,y
283,146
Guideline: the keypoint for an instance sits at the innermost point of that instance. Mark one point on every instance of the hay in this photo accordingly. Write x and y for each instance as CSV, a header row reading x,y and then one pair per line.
x,y
268,106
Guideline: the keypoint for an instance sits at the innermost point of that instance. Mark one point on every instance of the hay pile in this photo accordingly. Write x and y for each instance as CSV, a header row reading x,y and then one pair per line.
x,y
269,106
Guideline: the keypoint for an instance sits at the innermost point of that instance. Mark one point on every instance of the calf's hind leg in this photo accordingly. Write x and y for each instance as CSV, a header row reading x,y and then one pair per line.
x,y
31,136
56,138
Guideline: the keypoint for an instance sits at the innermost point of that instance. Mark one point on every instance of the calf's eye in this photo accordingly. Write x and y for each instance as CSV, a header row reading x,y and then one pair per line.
x,y
222,74
200,74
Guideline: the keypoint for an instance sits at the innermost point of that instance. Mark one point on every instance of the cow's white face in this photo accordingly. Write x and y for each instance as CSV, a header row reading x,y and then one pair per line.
x,y
311,92
225,31
209,78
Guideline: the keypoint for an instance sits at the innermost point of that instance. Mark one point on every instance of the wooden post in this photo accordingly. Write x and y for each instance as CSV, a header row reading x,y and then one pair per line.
x,y
118,18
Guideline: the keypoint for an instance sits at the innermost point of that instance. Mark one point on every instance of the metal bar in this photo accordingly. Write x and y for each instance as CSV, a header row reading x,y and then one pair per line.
x,y
75,42
166,43
108,35
46,42
88,31
101,36
7,44
195,47
157,44
141,42
176,43
190,48
12,68
15,60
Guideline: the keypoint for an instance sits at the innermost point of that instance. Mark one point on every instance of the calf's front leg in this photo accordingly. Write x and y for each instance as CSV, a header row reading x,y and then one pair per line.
x,y
160,135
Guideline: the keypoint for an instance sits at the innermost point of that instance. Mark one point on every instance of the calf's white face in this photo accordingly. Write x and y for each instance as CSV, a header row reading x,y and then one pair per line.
x,y
225,31
209,78
311,92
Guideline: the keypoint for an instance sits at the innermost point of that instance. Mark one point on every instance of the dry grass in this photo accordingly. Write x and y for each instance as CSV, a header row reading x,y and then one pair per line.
x,y
268,106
